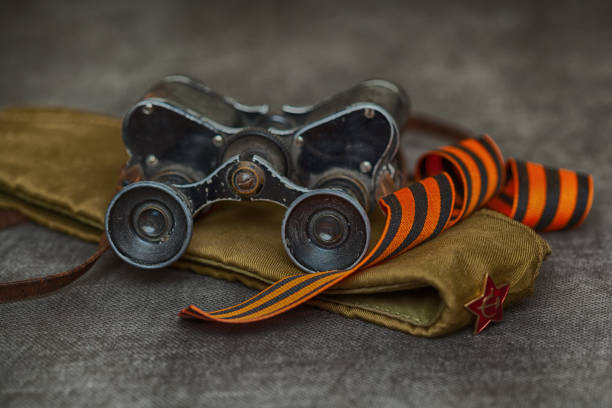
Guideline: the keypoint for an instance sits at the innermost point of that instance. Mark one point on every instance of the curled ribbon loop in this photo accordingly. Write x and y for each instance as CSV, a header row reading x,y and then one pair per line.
x,y
544,198
452,182
476,168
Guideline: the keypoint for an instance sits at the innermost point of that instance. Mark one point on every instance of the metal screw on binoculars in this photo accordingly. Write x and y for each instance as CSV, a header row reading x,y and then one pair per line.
x,y
193,148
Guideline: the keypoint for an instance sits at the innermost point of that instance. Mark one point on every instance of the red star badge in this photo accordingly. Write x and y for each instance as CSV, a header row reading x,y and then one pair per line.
x,y
488,307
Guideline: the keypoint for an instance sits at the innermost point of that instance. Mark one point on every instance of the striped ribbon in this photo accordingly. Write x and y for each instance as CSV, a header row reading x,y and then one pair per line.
x,y
544,198
452,182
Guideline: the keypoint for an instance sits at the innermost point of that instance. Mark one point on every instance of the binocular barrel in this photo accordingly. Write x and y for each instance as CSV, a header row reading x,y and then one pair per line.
x,y
149,224
194,148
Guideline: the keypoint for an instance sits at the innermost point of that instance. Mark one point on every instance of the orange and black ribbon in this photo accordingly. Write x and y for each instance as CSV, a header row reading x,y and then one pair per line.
x,y
544,198
452,183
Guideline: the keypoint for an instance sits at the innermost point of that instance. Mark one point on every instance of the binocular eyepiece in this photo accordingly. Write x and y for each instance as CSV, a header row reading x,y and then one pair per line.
x,y
149,224
193,148
326,230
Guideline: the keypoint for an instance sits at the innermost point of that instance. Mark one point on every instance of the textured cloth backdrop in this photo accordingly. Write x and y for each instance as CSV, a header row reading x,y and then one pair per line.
x,y
535,76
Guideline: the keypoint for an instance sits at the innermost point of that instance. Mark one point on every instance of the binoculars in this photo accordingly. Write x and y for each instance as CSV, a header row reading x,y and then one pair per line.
x,y
193,147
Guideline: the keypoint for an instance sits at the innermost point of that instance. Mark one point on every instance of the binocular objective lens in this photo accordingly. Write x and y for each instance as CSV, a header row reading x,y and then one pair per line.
x,y
151,221
328,228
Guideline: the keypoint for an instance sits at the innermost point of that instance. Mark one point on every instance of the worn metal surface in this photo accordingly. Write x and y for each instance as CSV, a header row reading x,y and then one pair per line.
x,y
211,148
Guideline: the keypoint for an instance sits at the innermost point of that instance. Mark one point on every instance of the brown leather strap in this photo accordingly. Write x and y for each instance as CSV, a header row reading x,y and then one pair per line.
x,y
424,123
28,288
419,122
8,218
19,290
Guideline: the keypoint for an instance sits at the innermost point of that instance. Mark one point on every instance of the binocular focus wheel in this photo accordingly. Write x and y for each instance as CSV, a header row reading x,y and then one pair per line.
x,y
148,224
326,230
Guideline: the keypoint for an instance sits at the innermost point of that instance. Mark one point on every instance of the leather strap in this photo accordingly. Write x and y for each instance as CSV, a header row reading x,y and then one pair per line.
x,y
9,218
24,289
419,122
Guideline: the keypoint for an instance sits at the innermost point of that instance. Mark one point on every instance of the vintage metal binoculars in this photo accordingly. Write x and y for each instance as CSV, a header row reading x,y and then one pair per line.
x,y
194,147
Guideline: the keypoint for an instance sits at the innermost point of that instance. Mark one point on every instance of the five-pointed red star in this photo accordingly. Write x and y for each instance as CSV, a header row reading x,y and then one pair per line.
x,y
488,307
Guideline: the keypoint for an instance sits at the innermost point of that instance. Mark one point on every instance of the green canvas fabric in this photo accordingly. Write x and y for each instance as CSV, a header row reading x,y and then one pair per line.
x,y
60,167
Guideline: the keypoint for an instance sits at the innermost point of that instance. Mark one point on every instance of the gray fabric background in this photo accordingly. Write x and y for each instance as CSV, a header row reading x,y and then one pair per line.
x,y
538,77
